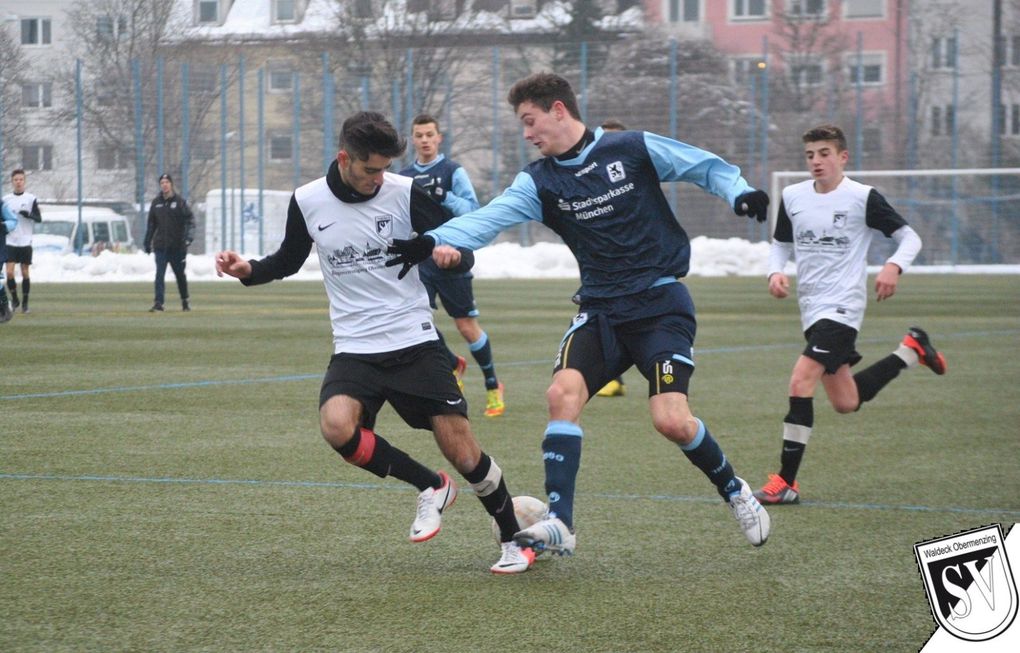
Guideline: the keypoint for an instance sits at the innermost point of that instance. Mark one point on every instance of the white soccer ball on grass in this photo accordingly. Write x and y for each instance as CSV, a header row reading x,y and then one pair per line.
x,y
529,511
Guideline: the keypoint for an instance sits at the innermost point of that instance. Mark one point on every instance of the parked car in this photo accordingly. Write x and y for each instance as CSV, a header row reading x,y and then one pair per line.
x,y
102,229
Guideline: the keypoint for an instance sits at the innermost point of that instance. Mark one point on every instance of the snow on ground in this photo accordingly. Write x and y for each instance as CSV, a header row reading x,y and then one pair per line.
x,y
710,257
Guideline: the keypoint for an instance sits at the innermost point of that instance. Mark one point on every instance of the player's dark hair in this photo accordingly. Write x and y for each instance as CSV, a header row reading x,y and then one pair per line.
x,y
826,133
542,89
426,119
367,133
613,125
17,171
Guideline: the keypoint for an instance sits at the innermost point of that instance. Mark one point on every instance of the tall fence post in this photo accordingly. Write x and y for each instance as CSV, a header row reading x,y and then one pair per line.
x,y
296,130
261,158
496,136
185,128
763,163
78,110
223,157
328,100
240,141
160,119
136,83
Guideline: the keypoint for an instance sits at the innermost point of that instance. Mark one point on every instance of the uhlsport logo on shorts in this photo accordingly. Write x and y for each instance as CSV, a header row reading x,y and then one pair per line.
x,y
969,583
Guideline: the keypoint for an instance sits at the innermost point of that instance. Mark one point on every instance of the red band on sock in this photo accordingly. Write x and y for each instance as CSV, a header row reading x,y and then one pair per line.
x,y
365,450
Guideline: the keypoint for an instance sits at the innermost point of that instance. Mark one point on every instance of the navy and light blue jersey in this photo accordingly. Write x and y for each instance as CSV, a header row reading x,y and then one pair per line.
x,y
608,207
447,182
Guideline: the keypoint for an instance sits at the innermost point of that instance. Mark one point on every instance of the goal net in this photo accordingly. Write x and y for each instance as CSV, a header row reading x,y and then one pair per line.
x,y
964,216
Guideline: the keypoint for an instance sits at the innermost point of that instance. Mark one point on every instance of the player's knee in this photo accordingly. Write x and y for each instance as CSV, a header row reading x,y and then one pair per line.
x,y
336,430
562,395
845,404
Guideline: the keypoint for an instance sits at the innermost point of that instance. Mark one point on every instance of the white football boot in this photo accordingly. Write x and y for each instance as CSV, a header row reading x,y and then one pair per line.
x,y
754,519
514,559
547,535
431,504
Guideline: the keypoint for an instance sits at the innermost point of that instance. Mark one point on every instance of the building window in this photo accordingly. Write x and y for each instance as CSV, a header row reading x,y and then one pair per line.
x,y
112,157
203,149
684,11
871,140
864,8
37,95
749,9
870,69
808,74
284,11
811,9
943,119
281,147
745,69
208,11
1009,119
281,80
943,52
36,31
203,80
110,29
37,157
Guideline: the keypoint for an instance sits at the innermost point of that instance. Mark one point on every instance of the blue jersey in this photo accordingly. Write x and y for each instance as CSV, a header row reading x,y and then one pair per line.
x,y
608,207
447,182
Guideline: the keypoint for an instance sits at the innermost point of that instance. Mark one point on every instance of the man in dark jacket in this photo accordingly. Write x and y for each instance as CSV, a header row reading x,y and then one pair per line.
x,y
170,230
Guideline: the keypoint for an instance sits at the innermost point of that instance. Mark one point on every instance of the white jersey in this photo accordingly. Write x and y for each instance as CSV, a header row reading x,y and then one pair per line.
x,y
370,310
828,235
22,234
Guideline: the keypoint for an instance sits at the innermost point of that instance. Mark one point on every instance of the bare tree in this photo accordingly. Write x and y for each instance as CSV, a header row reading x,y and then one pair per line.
x,y
12,65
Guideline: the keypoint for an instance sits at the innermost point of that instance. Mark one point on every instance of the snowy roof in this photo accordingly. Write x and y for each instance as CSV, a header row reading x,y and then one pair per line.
x,y
252,20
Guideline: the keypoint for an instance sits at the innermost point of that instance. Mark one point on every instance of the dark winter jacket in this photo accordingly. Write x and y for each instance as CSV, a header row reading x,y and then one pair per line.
x,y
171,224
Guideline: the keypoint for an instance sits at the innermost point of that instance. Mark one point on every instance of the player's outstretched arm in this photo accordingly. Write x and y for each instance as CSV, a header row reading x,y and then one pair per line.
x,y
232,264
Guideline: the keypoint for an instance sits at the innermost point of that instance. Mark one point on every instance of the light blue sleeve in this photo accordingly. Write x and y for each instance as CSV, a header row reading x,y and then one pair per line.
x,y
518,203
676,161
10,220
461,197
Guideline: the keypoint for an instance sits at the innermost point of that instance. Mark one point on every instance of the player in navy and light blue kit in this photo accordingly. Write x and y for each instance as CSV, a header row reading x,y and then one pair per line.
x,y
448,183
8,222
600,191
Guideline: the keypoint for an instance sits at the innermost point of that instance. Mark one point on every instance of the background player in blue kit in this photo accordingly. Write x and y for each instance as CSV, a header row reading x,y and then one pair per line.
x,y
826,223
448,183
600,191
8,222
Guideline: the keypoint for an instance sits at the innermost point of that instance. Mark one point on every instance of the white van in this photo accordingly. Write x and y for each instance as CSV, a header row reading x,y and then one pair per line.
x,y
102,229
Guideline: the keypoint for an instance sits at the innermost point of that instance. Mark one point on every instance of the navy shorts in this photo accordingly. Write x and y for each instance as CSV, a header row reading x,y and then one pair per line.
x,y
653,330
21,255
416,381
832,344
453,288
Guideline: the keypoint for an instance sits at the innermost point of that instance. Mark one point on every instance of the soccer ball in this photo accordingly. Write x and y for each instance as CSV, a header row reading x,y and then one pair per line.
x,y
529,510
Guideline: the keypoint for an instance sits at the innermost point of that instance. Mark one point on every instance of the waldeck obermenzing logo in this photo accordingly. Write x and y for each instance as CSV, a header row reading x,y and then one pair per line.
x,y
969,583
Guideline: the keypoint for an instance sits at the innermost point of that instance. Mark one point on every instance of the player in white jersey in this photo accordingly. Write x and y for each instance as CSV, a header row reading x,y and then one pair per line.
x,y
826,224
384,340
19,241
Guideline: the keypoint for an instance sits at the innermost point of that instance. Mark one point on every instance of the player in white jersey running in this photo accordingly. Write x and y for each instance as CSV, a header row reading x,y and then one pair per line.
x,y
826,223
385,343
19,241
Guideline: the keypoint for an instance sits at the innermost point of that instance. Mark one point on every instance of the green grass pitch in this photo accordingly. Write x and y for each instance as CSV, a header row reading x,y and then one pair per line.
x,y
164,487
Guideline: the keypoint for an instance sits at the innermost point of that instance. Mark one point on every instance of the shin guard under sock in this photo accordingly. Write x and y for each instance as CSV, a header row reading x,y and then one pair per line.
x,y
561,452
372,452
707,456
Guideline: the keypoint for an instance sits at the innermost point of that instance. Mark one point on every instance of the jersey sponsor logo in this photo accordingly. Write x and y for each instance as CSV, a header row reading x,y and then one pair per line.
x,y
807,240
839,219
593,207
616,171
355,259
970,586
384,225
588,168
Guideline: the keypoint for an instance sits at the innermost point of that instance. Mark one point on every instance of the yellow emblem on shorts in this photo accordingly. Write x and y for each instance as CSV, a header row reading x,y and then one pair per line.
x,y
667,378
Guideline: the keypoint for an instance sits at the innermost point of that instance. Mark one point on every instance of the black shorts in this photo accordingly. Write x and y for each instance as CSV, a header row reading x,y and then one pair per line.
x,y
416,381
21,255
454,288
603,344
832,344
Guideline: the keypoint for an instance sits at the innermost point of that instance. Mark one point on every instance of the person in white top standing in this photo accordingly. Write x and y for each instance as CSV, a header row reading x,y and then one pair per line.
x,y
826,224
385,346
19,241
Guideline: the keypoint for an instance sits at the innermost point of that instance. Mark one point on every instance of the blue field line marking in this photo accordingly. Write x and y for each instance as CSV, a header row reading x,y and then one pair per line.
x,y
542,361
837,505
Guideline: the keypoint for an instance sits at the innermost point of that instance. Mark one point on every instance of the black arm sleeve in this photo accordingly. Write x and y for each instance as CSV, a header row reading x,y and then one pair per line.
x,y
287,260
35,215
426,212
878,214
784,228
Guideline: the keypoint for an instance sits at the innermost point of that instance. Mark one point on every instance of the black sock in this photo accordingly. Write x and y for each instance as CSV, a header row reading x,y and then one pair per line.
x,y
12,285
487,481
372,452
797,424
871,380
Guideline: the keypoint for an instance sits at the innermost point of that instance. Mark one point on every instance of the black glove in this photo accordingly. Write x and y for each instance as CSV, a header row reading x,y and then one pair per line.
x,y
25,214
410,252
147,249
753,204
